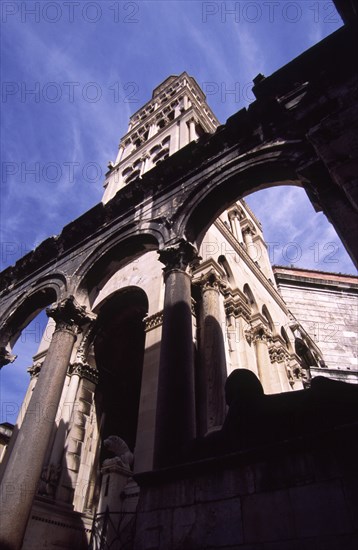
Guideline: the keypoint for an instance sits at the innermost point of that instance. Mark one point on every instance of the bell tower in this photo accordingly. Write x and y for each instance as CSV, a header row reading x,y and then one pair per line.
x,y
176,115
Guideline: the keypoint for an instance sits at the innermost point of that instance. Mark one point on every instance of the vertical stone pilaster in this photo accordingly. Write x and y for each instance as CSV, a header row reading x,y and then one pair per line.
x,y
212,372
249,243
268,375
175,417
235,225
23,471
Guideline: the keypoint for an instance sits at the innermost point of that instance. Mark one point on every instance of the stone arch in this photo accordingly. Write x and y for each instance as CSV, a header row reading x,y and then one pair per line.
x,y
222,260
108,258
269,165
26,307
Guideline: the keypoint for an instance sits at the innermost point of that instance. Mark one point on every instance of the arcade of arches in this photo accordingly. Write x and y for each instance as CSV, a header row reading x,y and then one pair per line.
x,y
142,353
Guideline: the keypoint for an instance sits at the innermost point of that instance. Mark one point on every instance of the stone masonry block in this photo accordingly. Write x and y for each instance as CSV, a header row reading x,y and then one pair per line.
x,y
320,509
267,517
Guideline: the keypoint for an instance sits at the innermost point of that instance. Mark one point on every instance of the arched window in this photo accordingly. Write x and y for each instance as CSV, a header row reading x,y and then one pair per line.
x,y
250,298
268,318
225,265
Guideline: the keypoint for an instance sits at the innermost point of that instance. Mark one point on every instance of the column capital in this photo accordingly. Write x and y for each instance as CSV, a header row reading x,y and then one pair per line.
x,y
258,333
179,256
6,357
84,370
211,281
68,314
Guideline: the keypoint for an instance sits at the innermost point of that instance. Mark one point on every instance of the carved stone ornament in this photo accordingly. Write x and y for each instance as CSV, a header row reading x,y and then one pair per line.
x,y
68,314
83,370
50,476
211,281
258,333
82,351
123,455
278,354
237,307
34,370
6,357
179,256
154,321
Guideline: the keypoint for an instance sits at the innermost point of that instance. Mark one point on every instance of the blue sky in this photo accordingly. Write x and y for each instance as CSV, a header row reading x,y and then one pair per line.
x,y
90,65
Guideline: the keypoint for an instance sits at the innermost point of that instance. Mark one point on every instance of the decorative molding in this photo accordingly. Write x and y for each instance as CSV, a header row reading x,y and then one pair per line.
x,y
84,370
258,332
278,354
69,315
236,305
211,280
82,350
153,321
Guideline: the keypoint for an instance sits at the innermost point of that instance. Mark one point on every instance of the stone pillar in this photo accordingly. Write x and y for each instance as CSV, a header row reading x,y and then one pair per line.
x,y
58,446
192,133
145,166
278,359
174,139
212,372
268,374
120,153
235,225
238,311
23,471
183,133
175,417
250,246
144,447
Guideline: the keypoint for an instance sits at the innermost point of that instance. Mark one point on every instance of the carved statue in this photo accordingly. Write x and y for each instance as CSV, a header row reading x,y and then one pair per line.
x,y
49,479
123,455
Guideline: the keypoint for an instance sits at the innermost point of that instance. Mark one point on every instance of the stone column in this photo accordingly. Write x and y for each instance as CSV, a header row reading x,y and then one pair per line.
x,y
24,468
250,246
235,225
212,361
145,163
69,401
238,311
192,133
278,357
120,153
175,417
183,133
268,376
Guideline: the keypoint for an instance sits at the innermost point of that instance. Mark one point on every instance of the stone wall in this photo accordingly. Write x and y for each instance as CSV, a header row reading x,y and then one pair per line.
x,y
326,304
292,496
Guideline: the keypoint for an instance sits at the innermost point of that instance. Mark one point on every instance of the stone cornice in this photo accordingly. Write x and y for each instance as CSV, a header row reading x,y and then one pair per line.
x,y
236,304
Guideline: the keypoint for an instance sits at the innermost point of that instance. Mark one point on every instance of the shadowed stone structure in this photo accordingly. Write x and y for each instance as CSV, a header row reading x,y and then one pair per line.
x,y
143,353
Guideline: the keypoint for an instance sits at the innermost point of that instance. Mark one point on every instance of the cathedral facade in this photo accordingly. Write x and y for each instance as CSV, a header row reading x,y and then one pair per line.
x,y
136,356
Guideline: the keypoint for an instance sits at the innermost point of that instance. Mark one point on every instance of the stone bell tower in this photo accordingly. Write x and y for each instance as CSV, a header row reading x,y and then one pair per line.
x,y
176,115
